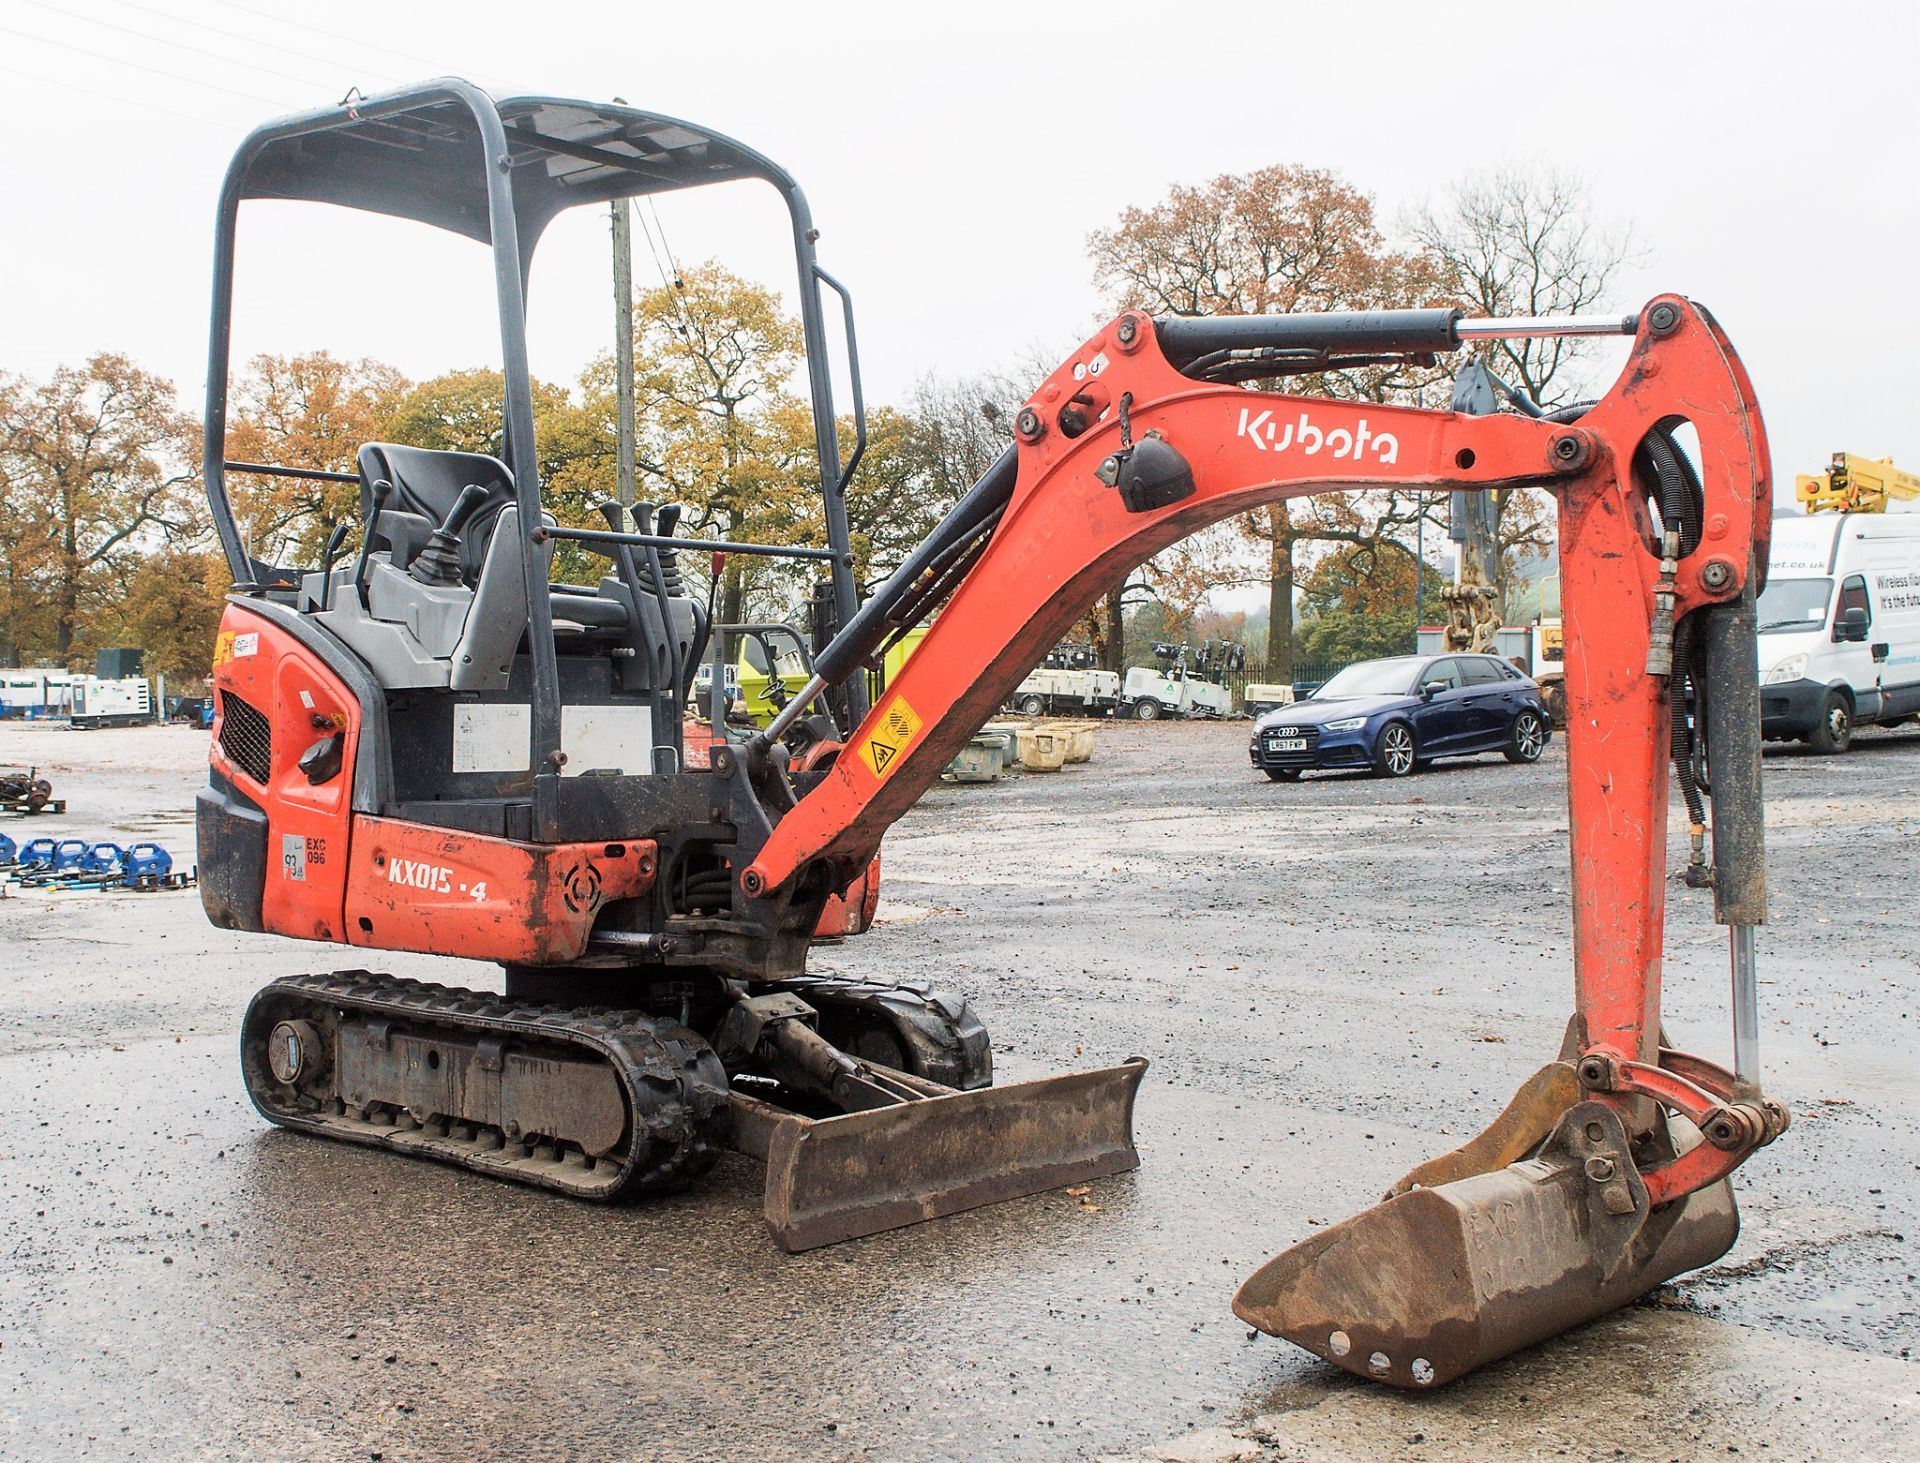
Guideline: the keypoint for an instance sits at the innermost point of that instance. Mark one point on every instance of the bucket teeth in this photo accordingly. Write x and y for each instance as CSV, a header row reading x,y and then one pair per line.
x,y
1430,1284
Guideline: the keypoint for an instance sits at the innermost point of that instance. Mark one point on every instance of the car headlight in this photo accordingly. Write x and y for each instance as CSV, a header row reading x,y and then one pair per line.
x,y
1347,723
1793,668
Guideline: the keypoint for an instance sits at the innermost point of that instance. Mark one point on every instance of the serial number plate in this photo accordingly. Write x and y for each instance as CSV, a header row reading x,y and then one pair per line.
x,y
1286,744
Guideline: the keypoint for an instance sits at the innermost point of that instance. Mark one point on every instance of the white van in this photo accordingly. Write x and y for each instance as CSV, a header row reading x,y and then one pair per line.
x,y
1840,626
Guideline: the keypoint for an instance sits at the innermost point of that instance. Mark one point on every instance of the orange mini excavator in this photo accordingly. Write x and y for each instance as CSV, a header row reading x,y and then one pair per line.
x,y
434,747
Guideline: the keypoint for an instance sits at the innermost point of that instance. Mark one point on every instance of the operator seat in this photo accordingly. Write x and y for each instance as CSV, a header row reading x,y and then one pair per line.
x,y
426,483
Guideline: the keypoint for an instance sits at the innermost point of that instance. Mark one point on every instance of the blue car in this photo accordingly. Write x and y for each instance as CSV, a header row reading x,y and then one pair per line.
x,y
1396,715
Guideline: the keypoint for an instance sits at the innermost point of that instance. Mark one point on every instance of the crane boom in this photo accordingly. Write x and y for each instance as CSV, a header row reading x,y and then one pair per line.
x,y
1856,485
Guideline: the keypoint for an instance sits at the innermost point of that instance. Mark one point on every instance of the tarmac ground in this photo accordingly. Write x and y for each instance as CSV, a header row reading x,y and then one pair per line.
x,y
1332,979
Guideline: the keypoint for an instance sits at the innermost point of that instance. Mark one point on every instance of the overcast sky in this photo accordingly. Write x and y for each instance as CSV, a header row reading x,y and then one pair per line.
x,y
956,157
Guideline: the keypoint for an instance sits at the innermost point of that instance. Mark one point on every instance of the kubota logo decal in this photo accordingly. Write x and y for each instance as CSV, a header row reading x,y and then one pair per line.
x,y
1274,436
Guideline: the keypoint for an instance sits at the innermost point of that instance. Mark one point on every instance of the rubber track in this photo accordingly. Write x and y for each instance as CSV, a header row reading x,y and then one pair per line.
x,y
676,1090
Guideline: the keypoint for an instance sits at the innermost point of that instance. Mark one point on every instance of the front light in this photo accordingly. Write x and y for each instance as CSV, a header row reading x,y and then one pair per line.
x,y
1793,668
1347,723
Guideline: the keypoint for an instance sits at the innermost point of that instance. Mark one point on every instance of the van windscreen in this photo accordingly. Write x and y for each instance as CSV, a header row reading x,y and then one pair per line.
x,y
1794,604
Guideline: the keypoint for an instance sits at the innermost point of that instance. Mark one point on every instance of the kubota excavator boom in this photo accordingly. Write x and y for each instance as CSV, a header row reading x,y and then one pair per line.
x,y
435,748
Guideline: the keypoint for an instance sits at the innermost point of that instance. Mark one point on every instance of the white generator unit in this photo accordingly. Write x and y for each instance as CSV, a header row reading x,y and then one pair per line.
x,y
1149,694
124,702
1258,697
35,691
1052,691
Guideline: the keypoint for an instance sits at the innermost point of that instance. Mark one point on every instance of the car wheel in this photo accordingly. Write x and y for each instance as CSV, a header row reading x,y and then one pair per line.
x,y
1393,752
1146,709
1282,774
1032,705
1527,740
1833,732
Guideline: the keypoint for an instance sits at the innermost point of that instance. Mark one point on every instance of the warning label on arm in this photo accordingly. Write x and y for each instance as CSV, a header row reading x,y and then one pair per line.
x,y
890,733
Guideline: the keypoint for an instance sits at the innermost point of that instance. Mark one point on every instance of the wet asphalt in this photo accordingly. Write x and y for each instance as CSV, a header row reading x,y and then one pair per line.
x,y
1332,980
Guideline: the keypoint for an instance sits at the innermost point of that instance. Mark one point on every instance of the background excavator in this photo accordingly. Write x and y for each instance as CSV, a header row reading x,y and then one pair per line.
x,y
432,747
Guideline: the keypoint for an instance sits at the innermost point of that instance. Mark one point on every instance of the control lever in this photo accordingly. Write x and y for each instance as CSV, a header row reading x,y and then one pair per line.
x,y
382,490
644,522
645,634
439,561
329,556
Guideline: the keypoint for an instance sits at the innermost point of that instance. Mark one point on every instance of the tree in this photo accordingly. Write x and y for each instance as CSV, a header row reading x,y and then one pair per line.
x,y
313,411
1520,240
718,427
1276,241
96,464
1523,241
1358,603
170,604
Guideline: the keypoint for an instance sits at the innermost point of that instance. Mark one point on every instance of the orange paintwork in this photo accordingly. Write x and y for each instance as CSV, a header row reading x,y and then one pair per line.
x,y
850,912
1065,537
307,825
444,892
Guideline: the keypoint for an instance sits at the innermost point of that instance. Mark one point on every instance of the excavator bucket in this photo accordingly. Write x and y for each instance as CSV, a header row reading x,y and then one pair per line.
x,y
1434,1282
838,1178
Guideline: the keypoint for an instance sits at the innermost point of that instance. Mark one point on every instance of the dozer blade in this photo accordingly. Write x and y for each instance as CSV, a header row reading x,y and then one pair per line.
x,y
1430,1284
841,1177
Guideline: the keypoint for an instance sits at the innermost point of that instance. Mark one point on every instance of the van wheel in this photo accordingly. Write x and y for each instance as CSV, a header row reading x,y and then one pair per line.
x,y
1146,709
1833,732
1032,705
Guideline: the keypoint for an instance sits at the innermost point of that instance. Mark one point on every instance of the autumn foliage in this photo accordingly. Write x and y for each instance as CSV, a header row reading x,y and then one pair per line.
x,y
105,537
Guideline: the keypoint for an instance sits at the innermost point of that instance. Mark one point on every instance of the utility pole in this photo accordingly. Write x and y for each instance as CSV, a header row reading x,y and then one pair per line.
x,y
623,348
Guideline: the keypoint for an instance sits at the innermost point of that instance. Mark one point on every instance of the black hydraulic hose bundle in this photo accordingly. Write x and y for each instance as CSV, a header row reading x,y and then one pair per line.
x,y
1687,710
1681,503
1675,488
910,588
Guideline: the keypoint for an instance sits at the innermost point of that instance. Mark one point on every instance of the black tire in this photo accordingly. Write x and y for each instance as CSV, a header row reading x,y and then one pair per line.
x,y
1146,709
1527,739
1833,732
1282,774
1032,705
1393,752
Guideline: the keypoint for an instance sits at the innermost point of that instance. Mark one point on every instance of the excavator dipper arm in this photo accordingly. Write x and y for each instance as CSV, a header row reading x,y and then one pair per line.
x,y
1127,448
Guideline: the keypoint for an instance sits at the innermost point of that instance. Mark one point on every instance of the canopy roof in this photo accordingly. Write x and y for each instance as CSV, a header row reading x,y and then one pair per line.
x,y
426,160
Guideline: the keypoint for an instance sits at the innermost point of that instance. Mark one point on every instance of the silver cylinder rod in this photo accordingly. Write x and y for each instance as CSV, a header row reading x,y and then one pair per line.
x,y
1746,1007
1513,327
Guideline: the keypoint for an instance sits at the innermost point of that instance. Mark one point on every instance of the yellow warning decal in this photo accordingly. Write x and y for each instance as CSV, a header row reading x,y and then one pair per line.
x,y
880,750
223,647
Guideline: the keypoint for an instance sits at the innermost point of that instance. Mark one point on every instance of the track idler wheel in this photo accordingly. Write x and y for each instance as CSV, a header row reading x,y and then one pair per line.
x,y
1434,1282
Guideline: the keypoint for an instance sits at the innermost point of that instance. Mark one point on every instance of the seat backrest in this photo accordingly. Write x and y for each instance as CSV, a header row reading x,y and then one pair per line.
x,y
427,481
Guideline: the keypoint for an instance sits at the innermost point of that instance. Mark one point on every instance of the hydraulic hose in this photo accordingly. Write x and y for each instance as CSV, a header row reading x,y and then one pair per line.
x,y
974,514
